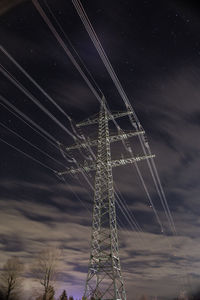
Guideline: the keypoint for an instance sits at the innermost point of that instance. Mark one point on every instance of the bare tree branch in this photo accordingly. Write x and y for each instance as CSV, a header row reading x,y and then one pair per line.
x,y
11,277
45,270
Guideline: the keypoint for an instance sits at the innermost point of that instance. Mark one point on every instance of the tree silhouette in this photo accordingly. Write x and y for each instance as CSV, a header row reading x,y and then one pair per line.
x,y
45,269
11,278
63,296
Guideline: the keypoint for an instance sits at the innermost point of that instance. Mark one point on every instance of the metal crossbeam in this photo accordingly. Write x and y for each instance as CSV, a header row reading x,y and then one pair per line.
x,y
114,163
110,117
131,160
114,138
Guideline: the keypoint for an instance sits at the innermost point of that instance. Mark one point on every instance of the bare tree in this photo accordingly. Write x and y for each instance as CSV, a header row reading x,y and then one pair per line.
x,y
45,270
11,278
63,296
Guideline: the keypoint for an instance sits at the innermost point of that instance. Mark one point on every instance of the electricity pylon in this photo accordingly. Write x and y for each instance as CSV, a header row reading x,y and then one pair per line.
x,y
104,278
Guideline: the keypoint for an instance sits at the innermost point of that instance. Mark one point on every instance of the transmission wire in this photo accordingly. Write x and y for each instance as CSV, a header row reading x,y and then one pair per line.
x,y
113,75
31,144
42,13
29,156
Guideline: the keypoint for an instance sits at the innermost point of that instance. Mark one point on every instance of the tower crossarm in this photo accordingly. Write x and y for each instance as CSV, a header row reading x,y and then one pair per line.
x,y
119,137
131,160
113,138
114,163
110,117
73,171
82,145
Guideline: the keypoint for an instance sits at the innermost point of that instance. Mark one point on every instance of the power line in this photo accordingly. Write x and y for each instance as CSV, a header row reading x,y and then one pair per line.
x,y
39,129
38,86
134,119
43,133
23,89
33,99
65,48
71,45
18,111
31,144
27,155
61,42
42,164
29,78
11,77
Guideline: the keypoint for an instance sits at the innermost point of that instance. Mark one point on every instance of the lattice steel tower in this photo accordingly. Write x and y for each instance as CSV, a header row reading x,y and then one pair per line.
x,y
104,279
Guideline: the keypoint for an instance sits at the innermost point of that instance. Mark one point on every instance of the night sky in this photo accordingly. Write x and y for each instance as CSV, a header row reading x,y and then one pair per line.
x,y
154,47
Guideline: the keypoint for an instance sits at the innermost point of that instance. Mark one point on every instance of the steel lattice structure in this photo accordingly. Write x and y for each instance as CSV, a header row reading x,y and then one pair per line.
x,y
104,279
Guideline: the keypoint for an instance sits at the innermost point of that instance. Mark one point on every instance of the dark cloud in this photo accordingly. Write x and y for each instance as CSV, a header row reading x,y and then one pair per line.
x,y
13,243
194,118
